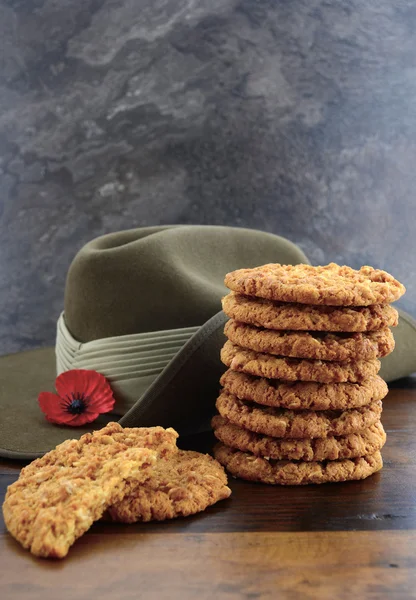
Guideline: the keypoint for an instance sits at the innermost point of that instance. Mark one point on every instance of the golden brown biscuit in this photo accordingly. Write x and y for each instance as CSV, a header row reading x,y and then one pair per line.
x,y
279,422
182,484
361,443
297,395
254,468
58,497
314,345
296,369
305,317
163,441
332,284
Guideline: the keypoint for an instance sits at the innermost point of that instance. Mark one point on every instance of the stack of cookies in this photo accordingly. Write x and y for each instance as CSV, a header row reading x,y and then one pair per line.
x,y
301,400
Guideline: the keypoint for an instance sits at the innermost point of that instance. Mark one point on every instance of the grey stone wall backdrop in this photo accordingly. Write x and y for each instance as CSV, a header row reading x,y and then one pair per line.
x,y
293,117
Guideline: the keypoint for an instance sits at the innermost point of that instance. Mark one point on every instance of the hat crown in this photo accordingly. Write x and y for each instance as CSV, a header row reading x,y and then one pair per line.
x,y
157,278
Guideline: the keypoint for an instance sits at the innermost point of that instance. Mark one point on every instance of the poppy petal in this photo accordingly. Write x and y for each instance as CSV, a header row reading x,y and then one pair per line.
x,y
101,401
81,419
51,405
75,380
93,382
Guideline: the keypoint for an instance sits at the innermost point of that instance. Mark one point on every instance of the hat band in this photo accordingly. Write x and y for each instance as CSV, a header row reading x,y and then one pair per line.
x,y
130,362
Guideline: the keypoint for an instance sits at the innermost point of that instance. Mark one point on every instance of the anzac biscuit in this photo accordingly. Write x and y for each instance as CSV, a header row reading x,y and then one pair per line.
x,y
296,369
279,422
361,443
315,345
331,284
163,441
183,484
297,395
58,497
254,468
303,317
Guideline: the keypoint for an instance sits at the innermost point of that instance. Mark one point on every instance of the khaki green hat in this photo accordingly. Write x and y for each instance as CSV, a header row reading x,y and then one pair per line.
x,y
142,307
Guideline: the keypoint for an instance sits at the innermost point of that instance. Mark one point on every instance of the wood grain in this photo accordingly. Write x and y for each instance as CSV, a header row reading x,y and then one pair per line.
x,y
155,566
330,541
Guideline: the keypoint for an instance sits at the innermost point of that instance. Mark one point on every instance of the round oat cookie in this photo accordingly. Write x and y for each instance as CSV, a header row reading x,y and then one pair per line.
x,y
361,443
305,317
182,484
283,423
254,468
162,441
296,395
58,497
332,284
296,369
315,345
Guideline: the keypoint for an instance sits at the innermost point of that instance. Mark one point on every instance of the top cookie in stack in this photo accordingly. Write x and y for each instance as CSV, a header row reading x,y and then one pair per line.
x,y
302,383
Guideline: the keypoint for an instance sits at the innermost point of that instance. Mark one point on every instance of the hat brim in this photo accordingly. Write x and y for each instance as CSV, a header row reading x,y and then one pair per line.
x,y
183,396
24,431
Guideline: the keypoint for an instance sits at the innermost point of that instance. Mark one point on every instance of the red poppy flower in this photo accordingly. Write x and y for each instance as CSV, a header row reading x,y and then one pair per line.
x,y
82,396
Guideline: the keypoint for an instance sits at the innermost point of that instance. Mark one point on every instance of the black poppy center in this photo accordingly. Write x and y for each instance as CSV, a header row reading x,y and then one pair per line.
x,y
76,404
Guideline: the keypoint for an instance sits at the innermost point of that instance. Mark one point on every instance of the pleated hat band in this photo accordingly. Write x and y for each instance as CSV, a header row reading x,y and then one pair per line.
x,y
130,362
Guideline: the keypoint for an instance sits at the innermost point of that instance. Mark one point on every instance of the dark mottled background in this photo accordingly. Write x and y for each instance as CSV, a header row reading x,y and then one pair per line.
x,y
294,117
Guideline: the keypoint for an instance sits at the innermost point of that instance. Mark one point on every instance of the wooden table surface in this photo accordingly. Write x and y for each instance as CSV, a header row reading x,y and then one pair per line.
x,y
349,540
